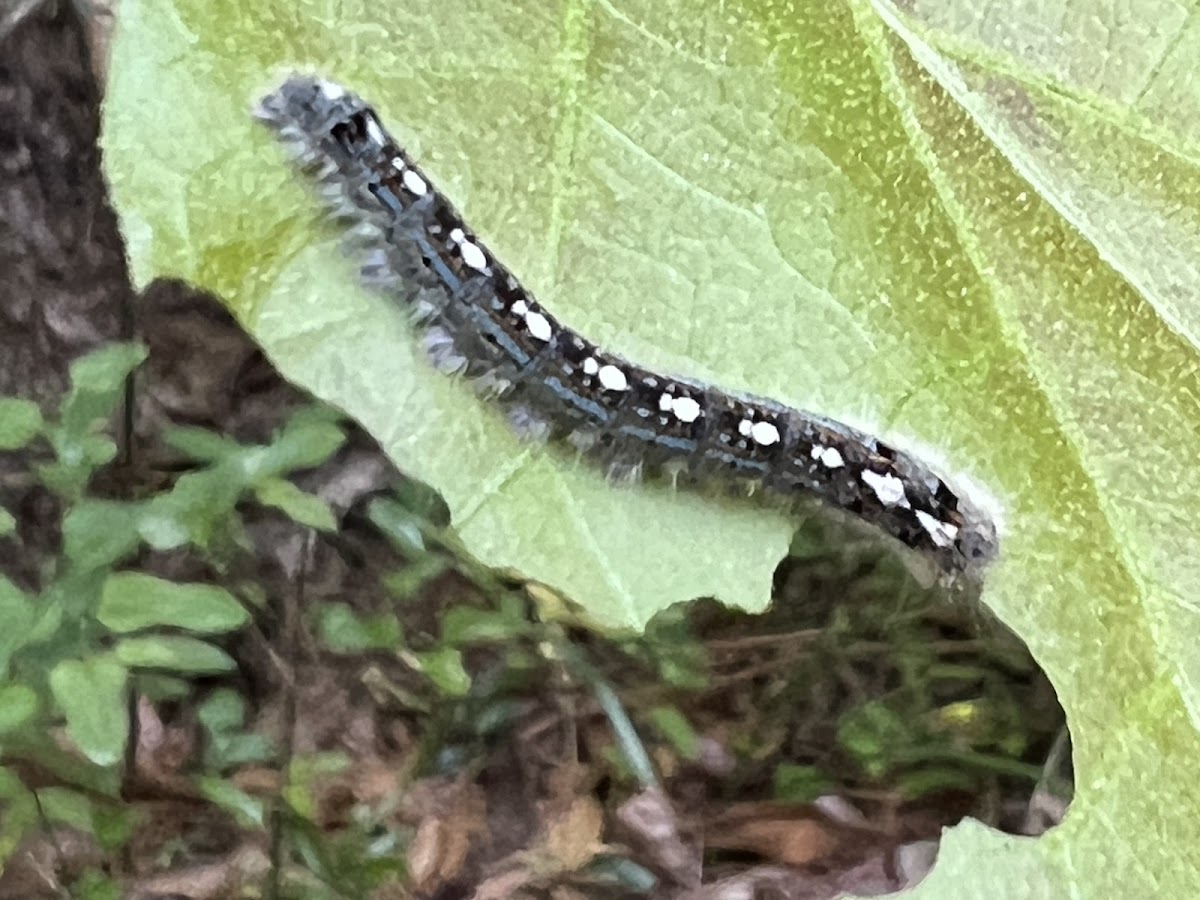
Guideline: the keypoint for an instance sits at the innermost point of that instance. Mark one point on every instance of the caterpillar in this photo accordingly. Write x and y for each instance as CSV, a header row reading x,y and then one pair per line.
x,y
478,321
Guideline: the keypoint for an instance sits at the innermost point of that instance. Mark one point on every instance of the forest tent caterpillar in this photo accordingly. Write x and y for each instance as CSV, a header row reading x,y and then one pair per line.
x,y
479,321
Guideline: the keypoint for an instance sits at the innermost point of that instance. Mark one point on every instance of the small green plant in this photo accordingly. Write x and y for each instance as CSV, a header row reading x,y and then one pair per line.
x,y
93,629
96,622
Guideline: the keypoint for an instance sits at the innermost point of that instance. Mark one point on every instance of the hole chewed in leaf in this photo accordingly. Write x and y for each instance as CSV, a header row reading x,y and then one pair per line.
x,y
850,723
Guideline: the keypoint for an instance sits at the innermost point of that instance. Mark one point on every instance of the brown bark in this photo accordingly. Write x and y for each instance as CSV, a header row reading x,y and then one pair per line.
x,y
63,282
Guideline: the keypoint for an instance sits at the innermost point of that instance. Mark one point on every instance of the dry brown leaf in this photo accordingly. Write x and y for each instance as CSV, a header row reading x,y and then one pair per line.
x,y
566,781
43,863
212,881
453,819
572,840
161,750
653,830
436,854
377,782
502,886
258,781
795,842
793,835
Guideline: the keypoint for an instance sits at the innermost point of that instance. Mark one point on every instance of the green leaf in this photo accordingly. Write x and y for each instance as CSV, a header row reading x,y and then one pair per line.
x,y
97,384
248,810
935,780
161,527
305,777
158,687
99,533
20,422
345,631
95,885
468,625
223,715
911,215
18,706
300,506
876,737
400,524
799,784
8,525
131,601
201,444
67,807
17,615
11,785
91,693
98,449
421,500
64,765
104,371
224,710
198,509
21,814
444,667
674,726
67,605
405,582
176,654
309,438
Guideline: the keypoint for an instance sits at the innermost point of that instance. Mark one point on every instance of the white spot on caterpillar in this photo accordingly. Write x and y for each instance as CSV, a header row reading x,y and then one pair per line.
x,y
331,90
665,402
764,434
539,326
590,366
612,379
473,256
397,164
374,132
470,252
686,409
943,533
744,427
520,308
829,457
415,183
888,488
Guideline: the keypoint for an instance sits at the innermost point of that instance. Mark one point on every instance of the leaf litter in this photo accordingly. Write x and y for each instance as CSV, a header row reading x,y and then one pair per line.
x,y
404,722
